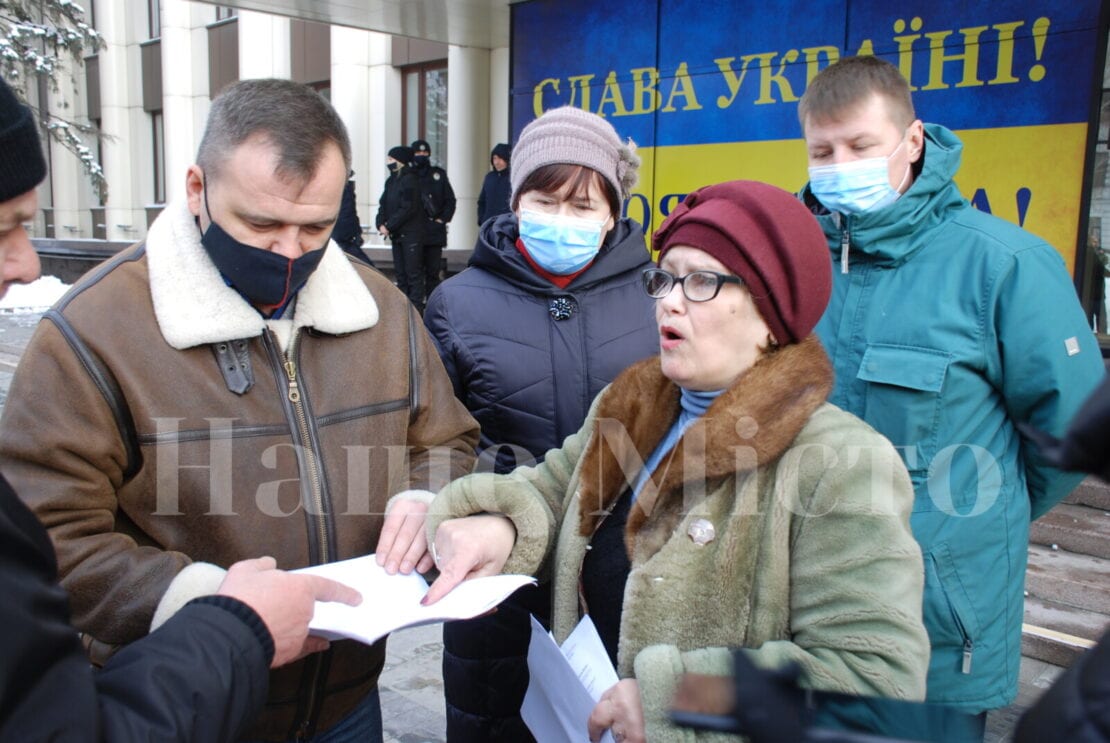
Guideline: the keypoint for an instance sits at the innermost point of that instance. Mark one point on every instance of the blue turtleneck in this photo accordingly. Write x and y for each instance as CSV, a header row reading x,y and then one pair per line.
x,y
694,404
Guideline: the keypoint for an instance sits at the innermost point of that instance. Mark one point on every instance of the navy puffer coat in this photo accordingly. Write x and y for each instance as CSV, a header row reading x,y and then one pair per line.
x,y
527,358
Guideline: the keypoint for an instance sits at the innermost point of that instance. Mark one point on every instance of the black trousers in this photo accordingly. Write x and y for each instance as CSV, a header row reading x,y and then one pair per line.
x,y
408,268
433,263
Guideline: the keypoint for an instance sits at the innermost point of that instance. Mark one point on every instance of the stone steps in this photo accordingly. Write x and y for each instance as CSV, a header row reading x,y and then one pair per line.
x,y
1067,584
1091,492
1067,578
1075,528
1057,633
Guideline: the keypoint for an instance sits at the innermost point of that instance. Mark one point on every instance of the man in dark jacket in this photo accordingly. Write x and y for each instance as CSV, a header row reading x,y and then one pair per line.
x,y
497,186
204,674
201,677
1077,707
348,228
438,199
401,219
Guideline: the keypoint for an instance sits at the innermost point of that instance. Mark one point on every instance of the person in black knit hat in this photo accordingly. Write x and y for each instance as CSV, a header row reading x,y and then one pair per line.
x,y
401,219
497,185
210,660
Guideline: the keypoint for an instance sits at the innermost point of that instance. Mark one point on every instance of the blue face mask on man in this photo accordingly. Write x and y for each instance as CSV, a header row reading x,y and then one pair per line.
x,y
858,186
264,278
560,245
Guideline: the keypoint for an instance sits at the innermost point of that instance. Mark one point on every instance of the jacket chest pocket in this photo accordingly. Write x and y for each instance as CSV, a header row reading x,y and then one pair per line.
x,y
903,398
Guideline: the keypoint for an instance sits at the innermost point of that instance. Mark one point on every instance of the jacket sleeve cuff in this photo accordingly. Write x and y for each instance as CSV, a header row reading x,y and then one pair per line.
x,y
500,494
658,669
198,579
420,496
247,615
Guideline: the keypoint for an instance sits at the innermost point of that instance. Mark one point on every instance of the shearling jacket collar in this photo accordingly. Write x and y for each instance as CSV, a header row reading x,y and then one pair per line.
x,y
761,414
194,306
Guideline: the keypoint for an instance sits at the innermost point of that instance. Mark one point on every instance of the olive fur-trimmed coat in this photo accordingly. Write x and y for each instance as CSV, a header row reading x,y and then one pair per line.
x,y
812,561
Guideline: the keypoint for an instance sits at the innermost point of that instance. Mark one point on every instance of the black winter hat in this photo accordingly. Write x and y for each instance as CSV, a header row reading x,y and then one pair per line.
x,y
503,151
401,154
421,145
22,165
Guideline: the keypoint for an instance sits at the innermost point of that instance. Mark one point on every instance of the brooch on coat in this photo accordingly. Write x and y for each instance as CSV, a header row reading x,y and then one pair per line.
x,y
701,531
561,308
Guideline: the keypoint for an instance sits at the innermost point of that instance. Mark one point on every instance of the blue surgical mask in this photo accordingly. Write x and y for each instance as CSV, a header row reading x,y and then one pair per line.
x,y
856,187
560,245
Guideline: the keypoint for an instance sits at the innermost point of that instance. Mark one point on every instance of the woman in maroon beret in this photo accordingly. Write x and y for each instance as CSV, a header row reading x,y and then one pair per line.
x,y
713,499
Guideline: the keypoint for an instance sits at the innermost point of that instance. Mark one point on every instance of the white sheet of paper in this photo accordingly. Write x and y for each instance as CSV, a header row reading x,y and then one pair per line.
x,y
392,602
558,703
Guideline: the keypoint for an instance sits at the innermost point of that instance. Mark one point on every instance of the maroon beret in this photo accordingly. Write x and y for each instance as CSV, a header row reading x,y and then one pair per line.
x,y
768,238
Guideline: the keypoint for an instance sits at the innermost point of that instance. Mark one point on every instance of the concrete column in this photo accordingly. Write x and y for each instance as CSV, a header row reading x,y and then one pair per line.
x,y
350,94
127,151
263,46
383,121
69,183
468,136
185,101
499,96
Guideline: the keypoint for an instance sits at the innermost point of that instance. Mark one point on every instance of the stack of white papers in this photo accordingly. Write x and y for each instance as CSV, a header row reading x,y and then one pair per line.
x,y
392,602
565,683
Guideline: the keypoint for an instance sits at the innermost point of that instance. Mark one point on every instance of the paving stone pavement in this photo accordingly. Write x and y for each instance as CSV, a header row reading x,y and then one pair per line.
x,y
411,684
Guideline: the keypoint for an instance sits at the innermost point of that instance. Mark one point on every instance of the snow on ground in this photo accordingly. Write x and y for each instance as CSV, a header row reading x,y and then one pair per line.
x,y
34,297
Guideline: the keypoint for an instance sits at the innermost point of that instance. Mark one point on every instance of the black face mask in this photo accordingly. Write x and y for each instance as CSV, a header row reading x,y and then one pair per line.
x,y
393,167
264,278
421,161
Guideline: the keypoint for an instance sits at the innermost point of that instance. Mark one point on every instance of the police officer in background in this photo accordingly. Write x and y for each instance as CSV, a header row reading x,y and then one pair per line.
x,y
438,199
401,219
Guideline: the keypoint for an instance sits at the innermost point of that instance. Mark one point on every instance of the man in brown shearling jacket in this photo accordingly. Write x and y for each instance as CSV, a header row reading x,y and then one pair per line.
x,y
236,386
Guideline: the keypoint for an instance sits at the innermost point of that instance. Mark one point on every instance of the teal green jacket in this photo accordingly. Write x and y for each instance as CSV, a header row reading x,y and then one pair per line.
x,y
946,327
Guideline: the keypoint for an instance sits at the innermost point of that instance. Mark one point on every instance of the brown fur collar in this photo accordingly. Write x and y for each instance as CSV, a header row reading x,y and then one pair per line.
x,y
763,412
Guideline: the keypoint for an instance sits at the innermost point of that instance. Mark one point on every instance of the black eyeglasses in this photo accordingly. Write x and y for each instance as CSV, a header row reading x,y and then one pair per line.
x,y
698,286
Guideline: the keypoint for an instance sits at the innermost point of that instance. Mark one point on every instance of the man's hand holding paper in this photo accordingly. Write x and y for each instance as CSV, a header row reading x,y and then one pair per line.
x,y
392,602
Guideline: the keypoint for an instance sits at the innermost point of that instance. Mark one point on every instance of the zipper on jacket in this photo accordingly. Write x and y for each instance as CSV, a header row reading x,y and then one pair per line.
x,y
310,457
291,373
845,244
312,465
961,626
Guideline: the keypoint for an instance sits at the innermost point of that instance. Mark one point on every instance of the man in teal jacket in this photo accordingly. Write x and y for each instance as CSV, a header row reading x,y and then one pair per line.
x,y
947,327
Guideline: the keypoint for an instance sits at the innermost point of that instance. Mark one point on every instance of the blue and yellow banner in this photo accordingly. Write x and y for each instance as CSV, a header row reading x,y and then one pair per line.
x,y
708,89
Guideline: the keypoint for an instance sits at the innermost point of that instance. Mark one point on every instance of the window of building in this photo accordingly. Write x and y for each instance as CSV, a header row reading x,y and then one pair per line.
x,y
158,131
46,195
154,18
223,12
310,55
424,106
223,53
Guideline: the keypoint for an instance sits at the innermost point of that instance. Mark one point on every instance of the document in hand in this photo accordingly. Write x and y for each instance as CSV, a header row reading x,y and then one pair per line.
x,y
565,683
392,602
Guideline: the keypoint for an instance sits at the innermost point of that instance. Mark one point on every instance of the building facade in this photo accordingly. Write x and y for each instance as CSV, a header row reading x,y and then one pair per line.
x,y
149,90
